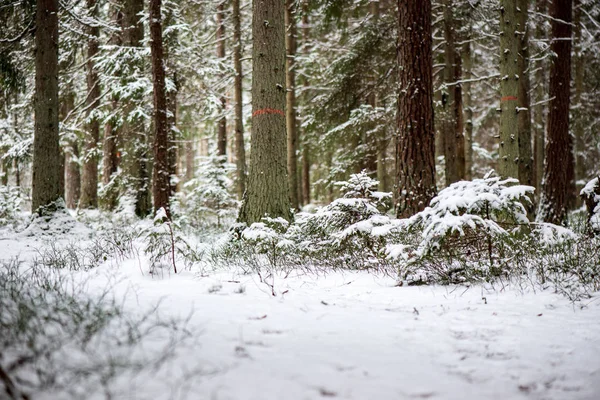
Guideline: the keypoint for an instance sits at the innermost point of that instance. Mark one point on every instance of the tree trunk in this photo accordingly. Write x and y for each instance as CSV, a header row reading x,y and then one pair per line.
x,y
459,135
508,164
560,165
305,145
46,152
136,138
173,150
89,177
578,122
524,115
161,188
110,162
290,75
468,109
539,118
240,151
267,192
415,140
72,175
222,126
454,148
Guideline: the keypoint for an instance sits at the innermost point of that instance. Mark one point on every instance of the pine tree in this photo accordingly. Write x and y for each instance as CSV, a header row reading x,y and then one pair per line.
x,y
560,165
89,177
526,168
509,87
290,44
46,153
267,192
415,140
240,151
161,189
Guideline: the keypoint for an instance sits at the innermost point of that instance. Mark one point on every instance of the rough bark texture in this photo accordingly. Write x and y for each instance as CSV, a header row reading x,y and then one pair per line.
x,y
46,152
468,109
578,120
240,151
222,126
526,175
89,177
508,164
450,103
415,140
539,111
161,189
290,78
267,192
560,166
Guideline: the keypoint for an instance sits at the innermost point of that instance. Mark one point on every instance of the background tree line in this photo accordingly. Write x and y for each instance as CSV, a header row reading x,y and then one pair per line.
x,y
109,102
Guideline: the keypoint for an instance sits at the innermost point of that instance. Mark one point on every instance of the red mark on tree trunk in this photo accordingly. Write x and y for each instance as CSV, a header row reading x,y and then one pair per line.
x,y
267,111
509,98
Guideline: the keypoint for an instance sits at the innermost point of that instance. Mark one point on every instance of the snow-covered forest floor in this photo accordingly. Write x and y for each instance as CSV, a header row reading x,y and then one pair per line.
x,y
225,333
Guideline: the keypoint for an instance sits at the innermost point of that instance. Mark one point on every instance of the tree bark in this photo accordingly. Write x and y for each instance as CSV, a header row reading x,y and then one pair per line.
x,y
451,103
468,109
46,152
110,162
415,140
290,75
578,122
72,154
136,139
89,177
560,165
539,110
267,192
161,188
508,164
222,125
526,168
305,145
240,151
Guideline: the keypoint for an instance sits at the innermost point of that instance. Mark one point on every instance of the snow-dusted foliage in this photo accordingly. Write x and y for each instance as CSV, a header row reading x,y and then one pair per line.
x,y
591,196
466,233
60,341
210,199
10,204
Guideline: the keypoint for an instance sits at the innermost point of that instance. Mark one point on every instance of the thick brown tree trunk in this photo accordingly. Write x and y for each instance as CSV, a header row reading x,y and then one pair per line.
x,y
89,177
161,188
508,164
46,152
560,165
290,75
240,151
453,148
267,192
526,168
415,140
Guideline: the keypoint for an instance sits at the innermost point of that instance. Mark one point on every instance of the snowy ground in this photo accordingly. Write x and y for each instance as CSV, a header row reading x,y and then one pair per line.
x,y
357,336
